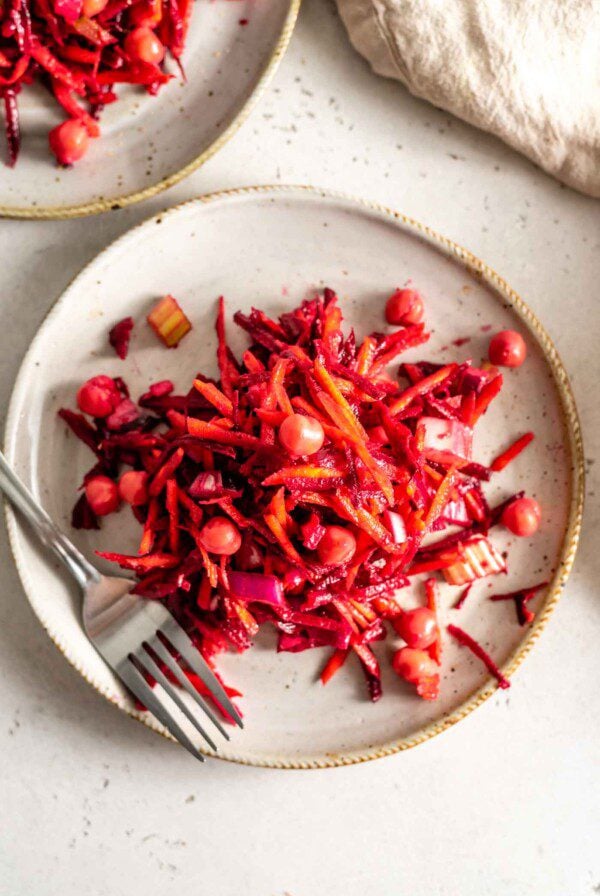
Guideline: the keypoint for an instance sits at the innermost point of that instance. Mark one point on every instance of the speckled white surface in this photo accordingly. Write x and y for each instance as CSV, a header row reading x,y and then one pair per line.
x,y
505,803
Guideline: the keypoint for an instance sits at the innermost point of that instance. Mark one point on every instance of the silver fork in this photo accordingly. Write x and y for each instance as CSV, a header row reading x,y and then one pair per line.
x,y
127,629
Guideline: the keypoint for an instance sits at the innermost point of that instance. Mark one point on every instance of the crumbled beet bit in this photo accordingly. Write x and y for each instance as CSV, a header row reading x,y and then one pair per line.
x,y
239,530
119,336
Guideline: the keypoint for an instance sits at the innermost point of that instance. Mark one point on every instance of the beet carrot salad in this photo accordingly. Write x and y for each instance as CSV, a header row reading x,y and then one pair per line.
x,y
312,487
80,50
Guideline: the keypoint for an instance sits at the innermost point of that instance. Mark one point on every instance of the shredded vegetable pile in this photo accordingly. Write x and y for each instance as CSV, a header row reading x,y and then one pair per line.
x,y
79,50
305,488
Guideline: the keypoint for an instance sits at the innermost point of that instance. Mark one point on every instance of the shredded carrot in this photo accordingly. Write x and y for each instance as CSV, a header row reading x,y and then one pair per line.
x,y
485,397
513,451
427,384
441,497
333,664
215,396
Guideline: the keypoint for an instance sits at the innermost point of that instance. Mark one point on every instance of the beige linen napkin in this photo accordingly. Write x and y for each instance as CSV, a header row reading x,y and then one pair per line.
x,y
525,70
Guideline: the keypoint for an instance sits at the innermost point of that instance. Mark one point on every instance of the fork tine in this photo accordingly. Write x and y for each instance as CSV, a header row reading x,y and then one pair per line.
x,y
178,638
159,648
136,683
155,671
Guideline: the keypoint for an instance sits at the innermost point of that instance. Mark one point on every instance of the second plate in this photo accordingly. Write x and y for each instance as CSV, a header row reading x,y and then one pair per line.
x,y
150,143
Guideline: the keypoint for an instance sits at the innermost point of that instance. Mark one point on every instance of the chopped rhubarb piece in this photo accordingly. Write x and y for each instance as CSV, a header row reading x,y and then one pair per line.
x,y
169,322
478,558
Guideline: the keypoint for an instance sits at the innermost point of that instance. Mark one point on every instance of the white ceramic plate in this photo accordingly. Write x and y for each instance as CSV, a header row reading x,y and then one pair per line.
x,y
150,143
272,247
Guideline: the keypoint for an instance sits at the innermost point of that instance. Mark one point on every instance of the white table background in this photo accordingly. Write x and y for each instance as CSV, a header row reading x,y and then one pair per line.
x,y
506,803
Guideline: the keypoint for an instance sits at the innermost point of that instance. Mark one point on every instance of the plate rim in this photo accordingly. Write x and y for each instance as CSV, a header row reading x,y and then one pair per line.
x,y
83,209
503,291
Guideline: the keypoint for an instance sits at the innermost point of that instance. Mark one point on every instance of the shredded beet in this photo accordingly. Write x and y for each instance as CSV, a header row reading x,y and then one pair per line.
x,y
462,597
11,118
119,336
521,598
79,51
297,488
467,641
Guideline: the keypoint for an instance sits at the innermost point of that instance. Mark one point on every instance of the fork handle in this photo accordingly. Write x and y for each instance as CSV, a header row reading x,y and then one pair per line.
x,y
48,533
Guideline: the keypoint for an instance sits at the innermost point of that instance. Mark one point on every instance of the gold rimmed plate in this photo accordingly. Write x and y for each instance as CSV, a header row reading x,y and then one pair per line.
x,y
273,246
150,143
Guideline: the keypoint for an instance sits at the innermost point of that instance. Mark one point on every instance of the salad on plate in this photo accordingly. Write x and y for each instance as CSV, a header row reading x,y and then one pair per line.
x,y
80,51
316,486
